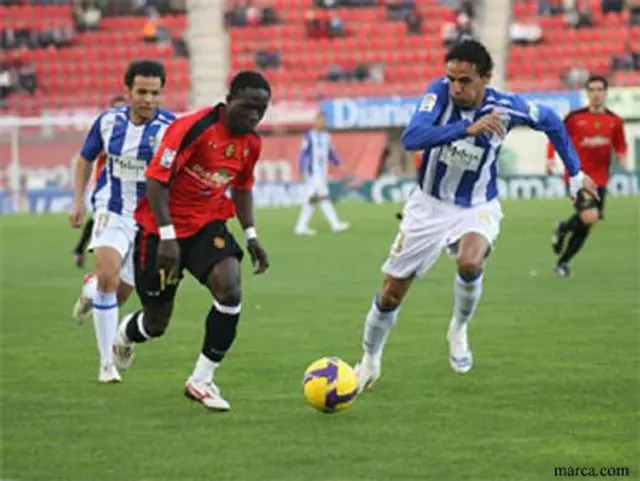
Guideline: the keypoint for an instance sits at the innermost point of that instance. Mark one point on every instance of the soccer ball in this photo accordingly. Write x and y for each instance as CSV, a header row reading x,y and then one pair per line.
x,y
330,385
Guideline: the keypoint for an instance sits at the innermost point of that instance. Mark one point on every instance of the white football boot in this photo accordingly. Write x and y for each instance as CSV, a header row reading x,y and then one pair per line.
x,y
307,232
460,357
123,351
341,227
207,394
84,304
368,371
108,374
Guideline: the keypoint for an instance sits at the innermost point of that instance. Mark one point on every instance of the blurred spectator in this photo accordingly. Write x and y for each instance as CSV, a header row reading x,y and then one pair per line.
x,y
414,23
6,83
612,6
181,47
154,30
577,13
267,59
628,60
321,25
575,77
457,29
335,27
250,14
27,79
399,9
634,12
525,32
335,73
86,16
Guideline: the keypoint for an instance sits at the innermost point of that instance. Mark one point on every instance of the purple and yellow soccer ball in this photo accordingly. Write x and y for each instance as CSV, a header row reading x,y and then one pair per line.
x,y
330,385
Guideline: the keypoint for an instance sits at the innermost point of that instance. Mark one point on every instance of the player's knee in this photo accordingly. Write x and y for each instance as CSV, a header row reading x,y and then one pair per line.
x,y
228,294
156,318
589,216
155,324
393,292
469,265
155,327
108,278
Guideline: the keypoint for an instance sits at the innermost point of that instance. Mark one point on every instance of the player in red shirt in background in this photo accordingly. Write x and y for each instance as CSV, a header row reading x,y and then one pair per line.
x,y
81,246
182,225
596,133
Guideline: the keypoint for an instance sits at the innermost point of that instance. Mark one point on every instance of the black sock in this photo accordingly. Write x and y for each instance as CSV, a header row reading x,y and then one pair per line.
x,y
84,237
220,330
133,329
575,242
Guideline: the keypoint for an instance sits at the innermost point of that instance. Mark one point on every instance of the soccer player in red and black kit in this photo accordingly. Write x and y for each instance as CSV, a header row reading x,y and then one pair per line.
x,y
182,225
596,132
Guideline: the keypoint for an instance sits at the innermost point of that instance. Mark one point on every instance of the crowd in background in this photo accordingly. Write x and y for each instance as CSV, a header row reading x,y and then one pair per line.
x,y
578,14
19,75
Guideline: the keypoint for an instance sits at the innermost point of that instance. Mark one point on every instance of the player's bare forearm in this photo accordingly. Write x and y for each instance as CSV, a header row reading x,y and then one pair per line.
x,y
243,201
158,194
81,177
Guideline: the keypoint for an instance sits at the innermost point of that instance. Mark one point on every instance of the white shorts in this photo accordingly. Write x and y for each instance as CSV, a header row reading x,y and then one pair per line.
x,y
429,225
118,232
317,187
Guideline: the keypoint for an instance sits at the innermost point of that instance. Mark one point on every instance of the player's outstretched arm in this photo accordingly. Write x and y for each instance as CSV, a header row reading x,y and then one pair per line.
x,y
540,117
422,132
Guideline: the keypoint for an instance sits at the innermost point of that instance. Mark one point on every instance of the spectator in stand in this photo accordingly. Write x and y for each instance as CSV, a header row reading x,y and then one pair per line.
x,y
6,82
577,13
628,60
612,6
634,12
154,30
414,23
86,16
526,32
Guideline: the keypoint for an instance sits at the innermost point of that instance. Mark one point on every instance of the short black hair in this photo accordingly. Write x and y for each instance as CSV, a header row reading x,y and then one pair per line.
x,y
473,52
597,78
248,79
145,68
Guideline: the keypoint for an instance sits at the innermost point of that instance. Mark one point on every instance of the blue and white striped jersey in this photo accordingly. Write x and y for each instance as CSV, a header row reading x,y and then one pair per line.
x,y
461,169
316,153
127,148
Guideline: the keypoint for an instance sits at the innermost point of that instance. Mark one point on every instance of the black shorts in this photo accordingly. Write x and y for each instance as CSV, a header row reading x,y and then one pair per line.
x,y
585,201
198,255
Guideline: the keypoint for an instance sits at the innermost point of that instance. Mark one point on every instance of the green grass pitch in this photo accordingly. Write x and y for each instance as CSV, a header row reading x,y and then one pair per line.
x,y
555,381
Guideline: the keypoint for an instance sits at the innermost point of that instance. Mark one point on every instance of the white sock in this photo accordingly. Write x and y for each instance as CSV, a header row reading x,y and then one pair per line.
x,y
105,322
204,369
376,331
90,288
306,213
330,213
467,296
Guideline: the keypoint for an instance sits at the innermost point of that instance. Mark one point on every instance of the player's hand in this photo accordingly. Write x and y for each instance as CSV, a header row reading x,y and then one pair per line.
x,y
259,257
491,123
76,218
168,261
582,181
590,186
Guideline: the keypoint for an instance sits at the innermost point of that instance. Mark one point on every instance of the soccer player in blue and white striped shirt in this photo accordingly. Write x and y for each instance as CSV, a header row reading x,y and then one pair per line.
x,y
316,154
127,137
459,125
